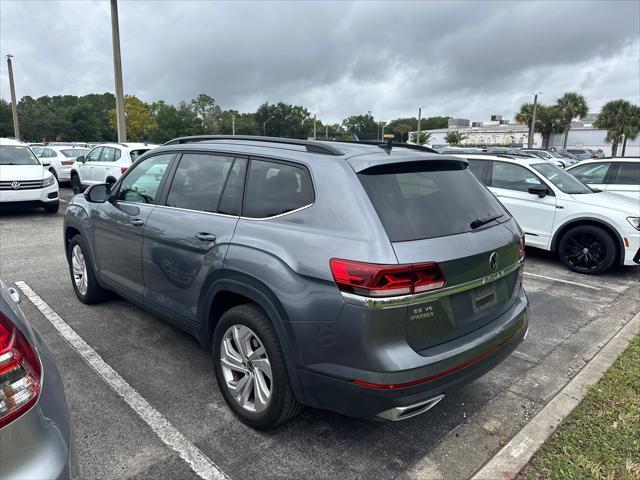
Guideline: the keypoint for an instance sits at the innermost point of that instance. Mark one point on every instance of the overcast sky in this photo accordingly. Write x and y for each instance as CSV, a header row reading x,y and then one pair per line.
x,y
465,59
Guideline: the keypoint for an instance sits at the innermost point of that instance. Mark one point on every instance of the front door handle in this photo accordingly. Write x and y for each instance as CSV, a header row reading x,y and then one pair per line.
x,y
136,222
206,237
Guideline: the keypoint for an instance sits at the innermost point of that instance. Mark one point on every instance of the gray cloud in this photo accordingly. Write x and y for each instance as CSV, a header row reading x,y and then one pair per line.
x,y
466,59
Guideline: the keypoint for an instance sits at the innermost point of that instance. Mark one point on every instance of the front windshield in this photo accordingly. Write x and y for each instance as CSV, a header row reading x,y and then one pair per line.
x,y
17,155
561,179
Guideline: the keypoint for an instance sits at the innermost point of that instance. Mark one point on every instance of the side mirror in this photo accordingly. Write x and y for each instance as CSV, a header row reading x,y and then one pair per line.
x,y
45,162
81,159
539,190
98,193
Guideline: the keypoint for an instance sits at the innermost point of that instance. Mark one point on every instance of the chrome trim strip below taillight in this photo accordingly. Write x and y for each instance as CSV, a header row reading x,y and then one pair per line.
x,y
403,300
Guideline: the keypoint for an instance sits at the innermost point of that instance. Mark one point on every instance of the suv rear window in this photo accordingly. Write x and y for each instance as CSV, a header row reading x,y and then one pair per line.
x,y
417,201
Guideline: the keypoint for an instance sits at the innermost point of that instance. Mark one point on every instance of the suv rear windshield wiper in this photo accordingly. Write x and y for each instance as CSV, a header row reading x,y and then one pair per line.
x,y
478,222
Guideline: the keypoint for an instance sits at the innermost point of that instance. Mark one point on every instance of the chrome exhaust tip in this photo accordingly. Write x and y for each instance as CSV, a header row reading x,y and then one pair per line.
x,y
402,413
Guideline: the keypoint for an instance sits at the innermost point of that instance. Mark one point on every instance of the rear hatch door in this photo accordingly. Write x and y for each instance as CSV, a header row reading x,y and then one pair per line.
x,y
437,211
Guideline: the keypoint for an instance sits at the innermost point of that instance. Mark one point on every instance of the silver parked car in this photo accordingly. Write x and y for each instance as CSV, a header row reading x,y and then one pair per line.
x,y
35,429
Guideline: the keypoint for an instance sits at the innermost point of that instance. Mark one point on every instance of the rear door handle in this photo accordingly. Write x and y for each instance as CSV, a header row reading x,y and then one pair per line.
x,y
206,237
137,222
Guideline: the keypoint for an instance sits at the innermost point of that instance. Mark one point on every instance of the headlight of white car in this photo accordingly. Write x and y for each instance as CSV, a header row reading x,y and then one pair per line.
x,y
634,221
47,182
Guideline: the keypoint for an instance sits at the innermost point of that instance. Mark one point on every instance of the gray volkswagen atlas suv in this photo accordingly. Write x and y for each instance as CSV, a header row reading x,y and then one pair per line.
x,y
369,280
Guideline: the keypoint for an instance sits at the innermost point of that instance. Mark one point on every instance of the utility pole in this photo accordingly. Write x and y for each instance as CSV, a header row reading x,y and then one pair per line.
x,y
326,132
419,118
264,126
382,136
233,124
14,104
117,68
533,121
314,125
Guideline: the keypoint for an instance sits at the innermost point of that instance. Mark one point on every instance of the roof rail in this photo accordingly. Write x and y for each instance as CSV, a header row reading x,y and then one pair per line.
x,y
312,146
386,145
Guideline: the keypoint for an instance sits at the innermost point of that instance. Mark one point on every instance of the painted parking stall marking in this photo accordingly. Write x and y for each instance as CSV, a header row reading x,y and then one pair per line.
x,y
202,465
583,285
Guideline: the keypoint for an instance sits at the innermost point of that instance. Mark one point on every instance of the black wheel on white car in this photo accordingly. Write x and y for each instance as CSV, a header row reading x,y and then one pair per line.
x,y
251,370
76,186
587,249
83,278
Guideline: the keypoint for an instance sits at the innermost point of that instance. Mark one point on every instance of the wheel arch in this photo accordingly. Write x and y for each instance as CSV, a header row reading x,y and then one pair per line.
x,y
235,289
595,223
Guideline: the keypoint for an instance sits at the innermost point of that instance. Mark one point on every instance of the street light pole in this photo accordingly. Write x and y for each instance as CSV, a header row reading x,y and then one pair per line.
x,y
117,70
314,125
233,124
419,118
533,121
14,104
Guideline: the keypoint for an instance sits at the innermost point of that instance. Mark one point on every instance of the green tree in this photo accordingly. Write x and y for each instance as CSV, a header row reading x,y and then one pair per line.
x,y
621,119
548,121
423,138
401,127
6,119
282,120
360,124
454,138
571,105
525,114
173,122
140,123
209,113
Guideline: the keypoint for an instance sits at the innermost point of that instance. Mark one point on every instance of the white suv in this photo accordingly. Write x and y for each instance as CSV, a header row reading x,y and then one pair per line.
x,y
590,230
24,179
105,163
617,175
62,159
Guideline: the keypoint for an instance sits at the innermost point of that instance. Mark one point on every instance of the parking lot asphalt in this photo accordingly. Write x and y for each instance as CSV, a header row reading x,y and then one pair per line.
x,y
175,375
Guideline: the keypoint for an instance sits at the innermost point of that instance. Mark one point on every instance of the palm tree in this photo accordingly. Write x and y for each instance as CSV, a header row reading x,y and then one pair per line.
x,y
619,117
572,105
423,137
454,138
525,114
548,121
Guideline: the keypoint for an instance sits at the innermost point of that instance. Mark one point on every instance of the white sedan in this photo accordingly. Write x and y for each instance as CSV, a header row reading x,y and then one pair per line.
x,y
61,158
618,175
589,230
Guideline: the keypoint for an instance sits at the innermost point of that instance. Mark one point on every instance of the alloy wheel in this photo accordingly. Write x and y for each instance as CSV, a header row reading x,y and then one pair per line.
x,y
246,368
79,268
585,252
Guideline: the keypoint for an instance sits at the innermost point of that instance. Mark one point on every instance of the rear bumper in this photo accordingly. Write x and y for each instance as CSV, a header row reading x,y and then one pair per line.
x,y
452,365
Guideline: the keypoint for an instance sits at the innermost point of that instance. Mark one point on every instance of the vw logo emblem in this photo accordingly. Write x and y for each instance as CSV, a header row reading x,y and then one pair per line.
x,y
493,260
15,185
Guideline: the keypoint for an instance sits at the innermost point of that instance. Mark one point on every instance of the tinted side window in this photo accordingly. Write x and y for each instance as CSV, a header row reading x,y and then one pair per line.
x,y
275,188
94,154
479,169
591,173
512,177
628,174
142,182
108,154
198,182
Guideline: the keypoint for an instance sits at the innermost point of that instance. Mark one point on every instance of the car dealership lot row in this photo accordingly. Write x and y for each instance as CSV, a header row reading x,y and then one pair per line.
x,y
174,374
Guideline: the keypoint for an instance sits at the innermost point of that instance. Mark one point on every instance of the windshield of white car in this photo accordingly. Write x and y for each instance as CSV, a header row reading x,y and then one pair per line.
x,y
17,155
562,179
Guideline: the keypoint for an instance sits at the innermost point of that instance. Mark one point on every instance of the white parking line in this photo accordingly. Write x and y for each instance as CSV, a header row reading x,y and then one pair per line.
x,y
563,281
63,200
171,436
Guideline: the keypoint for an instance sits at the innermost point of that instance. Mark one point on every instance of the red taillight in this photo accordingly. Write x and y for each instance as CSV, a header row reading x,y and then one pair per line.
x,y
375,280
123,169
20,373
67,162
521,248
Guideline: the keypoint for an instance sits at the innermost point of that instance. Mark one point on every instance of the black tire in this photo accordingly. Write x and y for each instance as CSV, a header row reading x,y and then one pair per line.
x,y
282,404
94,293
52,207
587,249
76,186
